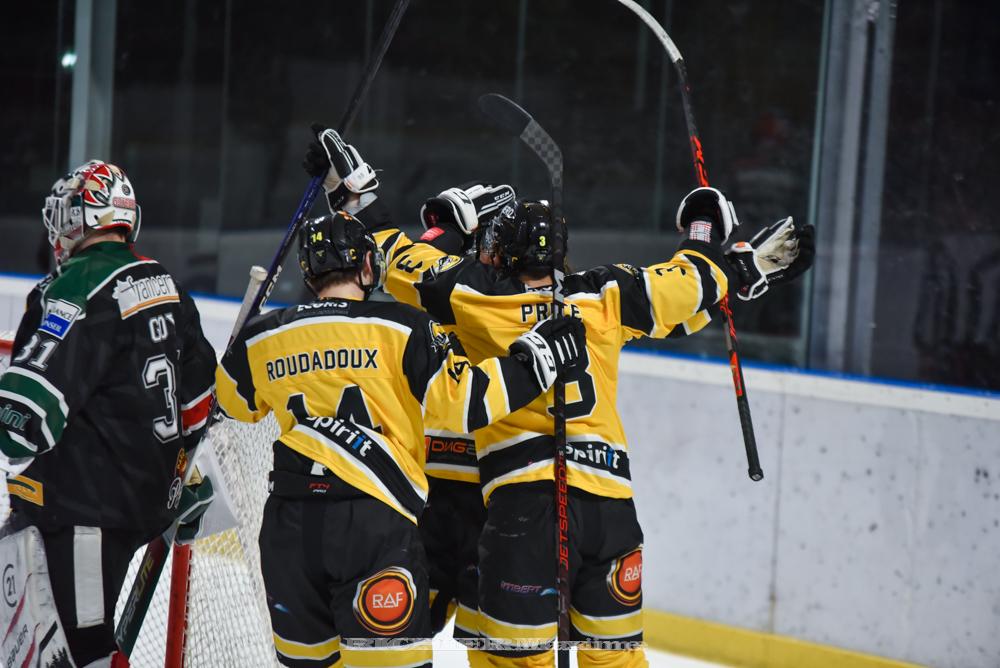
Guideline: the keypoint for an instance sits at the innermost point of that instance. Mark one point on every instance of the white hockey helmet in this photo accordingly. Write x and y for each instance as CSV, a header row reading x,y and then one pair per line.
x,y
96,196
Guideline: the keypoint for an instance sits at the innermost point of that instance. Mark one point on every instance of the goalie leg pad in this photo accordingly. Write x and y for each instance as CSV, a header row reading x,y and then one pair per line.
x,y
86,569
28,610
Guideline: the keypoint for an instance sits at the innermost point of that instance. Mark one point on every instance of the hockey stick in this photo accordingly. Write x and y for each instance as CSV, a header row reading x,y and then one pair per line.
x,y
141,593
509,116
701,178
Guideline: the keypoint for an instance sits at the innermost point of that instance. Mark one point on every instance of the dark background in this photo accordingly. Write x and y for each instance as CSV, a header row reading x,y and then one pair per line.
x,y
213,100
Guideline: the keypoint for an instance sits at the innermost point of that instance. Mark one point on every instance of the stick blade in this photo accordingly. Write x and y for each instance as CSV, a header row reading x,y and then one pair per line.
x,y
504,112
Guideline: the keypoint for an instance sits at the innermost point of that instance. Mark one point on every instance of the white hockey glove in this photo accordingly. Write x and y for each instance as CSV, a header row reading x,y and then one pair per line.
x,y
195,500
707,215
344,173
777,254
551,347
466,206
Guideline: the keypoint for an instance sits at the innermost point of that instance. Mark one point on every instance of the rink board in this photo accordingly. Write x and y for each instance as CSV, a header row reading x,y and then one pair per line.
x,y
875,529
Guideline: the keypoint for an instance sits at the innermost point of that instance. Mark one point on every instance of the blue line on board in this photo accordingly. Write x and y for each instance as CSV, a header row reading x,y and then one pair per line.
x,y
875,380
767,366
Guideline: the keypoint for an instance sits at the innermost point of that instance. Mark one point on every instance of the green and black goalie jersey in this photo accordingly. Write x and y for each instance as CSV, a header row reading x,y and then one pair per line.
x,y
353,384
109,388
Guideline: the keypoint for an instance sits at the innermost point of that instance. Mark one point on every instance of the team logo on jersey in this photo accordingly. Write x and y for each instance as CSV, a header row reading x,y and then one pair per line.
x,y
440,341
625,578
134,295
630,269
384,602
444,264
59,317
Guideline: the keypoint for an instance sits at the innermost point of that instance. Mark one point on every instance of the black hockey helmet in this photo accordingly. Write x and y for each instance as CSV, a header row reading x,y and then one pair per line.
x,y
338,242
526,237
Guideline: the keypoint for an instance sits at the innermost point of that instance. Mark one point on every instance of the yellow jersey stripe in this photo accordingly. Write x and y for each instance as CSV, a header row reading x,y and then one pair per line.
x,y
315,651
607,628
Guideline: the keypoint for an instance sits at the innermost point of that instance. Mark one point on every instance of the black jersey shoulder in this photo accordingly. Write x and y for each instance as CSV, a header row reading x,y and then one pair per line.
x,y
401,314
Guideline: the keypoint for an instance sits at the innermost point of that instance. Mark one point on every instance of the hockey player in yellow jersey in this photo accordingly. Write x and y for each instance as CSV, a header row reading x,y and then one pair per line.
x,y
453,519
351,382
489,306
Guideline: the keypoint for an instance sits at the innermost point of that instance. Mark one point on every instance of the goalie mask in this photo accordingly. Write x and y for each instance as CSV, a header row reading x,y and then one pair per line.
x,y
96,196
339,242
524,237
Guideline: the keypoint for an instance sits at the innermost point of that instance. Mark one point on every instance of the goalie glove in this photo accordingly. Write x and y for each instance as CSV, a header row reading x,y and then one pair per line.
x,y
344,173
777,254
466,206
707,215
550,348
195,500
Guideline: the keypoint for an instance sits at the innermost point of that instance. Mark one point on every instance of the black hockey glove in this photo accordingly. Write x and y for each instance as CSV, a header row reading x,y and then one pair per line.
x,y
195,500
550,348
707,215
344,172
777,254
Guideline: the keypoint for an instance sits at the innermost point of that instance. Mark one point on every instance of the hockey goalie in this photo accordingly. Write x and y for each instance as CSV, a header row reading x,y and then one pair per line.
x,y
107,393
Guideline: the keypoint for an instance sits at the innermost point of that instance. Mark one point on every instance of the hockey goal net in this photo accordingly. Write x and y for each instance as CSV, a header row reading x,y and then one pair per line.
x,y
226,620
6,341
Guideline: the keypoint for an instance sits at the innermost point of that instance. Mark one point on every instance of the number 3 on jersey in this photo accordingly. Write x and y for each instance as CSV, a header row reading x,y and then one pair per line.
x,y
580,376
351,407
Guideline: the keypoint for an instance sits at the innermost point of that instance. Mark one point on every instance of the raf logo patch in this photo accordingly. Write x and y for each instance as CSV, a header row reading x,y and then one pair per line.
x,y
59,317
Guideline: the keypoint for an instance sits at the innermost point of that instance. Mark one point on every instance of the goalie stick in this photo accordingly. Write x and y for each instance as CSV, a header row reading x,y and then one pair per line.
x,y
141,593
701,178
506,114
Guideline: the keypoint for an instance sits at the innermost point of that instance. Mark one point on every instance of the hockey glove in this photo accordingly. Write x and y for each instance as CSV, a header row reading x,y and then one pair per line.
x,y
454,216
344,173
707,215
195,500
777,254
466,206
551,347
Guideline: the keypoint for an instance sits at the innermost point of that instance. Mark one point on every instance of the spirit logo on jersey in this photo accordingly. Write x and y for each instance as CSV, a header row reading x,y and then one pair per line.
x,y
625,578
384,602
134,295
59,317
601,455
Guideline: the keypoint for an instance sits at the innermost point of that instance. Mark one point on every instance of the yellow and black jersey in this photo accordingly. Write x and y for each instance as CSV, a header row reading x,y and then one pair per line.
x,y
616,303
351,384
